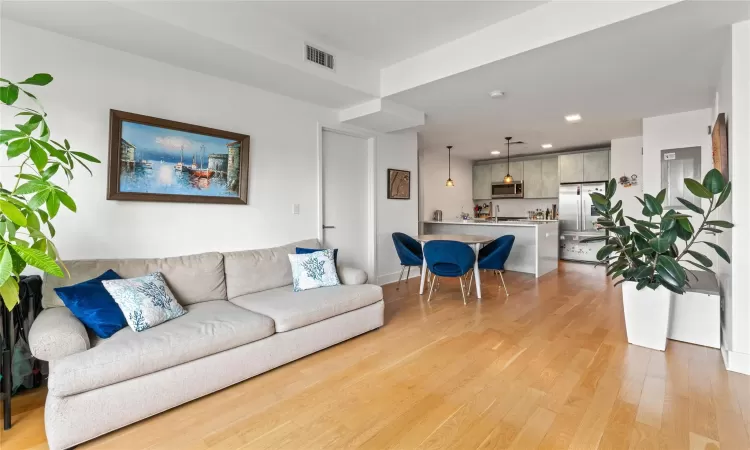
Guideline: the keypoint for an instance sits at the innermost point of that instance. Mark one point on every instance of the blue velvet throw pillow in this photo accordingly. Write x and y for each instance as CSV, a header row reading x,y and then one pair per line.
x,y
93,305
303,251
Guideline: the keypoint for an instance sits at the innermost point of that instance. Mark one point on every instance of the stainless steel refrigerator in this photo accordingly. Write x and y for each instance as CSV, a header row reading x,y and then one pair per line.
x,y
576,218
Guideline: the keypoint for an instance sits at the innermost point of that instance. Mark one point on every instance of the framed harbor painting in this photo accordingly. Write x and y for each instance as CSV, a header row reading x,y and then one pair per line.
x,y
160,160
399,184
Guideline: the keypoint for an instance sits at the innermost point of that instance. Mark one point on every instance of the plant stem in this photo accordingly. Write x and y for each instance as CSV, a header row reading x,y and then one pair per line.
x,y
18,178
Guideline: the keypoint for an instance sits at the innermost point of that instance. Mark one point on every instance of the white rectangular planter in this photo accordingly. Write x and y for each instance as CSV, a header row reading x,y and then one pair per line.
x,y
647,314
696,315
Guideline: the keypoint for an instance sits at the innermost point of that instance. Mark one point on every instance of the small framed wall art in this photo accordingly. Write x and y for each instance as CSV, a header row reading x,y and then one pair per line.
x,y
158,160
399,184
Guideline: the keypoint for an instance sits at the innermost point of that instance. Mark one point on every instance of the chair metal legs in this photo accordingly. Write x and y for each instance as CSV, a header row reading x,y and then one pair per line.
x,y
400,276
471,278
463,293
432,285
503,280
408,271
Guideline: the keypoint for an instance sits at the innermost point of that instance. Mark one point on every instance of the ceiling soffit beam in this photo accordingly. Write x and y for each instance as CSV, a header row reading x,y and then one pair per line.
x,y
382,115
544,25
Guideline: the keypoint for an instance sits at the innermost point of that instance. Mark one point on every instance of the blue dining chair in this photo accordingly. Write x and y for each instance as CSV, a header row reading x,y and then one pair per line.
x,y
448,259
409,252
494,255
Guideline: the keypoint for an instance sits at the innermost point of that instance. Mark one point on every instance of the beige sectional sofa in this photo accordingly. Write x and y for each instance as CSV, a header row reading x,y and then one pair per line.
x,y
243,319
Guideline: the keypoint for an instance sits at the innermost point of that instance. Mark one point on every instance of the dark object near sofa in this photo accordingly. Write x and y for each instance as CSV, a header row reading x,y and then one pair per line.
x,y
15,326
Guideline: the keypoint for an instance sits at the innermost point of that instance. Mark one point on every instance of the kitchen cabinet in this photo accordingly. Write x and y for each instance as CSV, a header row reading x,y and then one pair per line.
x,y
532,171
499,170
571,168
540,178
550,178
482,182
596,166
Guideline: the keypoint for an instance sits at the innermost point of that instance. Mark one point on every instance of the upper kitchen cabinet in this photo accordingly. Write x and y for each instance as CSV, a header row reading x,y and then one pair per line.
x,y
550,178
532,171
596,166
540,178
482,182
499,170
571,168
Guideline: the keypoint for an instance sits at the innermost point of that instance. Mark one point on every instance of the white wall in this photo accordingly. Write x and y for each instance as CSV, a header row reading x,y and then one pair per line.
x,y
433,167
90,80
625,159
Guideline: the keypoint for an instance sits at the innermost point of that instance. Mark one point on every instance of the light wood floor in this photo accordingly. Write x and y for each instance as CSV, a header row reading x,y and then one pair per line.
x,y
549,367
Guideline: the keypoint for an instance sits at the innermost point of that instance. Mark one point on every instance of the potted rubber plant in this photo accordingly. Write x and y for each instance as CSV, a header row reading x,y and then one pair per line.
x,y
31,198
644,256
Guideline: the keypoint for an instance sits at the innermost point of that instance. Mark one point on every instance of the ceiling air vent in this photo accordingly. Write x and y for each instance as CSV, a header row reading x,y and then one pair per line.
x,y
319,57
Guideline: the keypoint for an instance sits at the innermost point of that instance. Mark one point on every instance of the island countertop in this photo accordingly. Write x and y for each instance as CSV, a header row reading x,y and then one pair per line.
x,y
503,223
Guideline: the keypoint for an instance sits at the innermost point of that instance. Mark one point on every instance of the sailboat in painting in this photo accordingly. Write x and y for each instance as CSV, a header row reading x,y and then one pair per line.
x,y
201,173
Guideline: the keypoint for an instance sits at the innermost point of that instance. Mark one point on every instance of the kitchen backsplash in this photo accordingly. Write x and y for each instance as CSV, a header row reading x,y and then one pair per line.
x,y
519,207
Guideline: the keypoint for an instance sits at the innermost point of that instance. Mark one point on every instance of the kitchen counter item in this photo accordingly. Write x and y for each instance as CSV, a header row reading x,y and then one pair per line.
x,y
437,216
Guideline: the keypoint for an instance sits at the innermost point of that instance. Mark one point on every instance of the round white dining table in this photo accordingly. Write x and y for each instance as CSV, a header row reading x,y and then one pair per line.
x,y
474,241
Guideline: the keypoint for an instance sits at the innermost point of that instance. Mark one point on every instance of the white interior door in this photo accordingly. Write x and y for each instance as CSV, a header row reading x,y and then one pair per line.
x,y
345,202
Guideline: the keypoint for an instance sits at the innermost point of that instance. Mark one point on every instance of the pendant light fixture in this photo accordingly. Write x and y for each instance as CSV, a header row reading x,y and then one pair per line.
x,y
449,182
508,178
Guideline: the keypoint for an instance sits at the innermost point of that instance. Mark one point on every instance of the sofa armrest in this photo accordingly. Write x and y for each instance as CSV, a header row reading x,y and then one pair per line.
x,y
57,333
350,275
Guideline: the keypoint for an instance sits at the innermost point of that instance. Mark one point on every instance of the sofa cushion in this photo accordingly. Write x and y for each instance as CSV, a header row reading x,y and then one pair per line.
x,y
290,310
258,270
192,279
207,328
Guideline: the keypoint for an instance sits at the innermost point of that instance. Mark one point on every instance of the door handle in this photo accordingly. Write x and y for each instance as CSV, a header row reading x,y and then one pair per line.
x,y
326,227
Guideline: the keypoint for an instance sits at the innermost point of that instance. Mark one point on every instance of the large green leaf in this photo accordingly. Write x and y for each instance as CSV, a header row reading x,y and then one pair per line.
x,y
9,94
599,199
13,213
6,135
30,188
39,259
714,181
605,251
667,223
6,265
38,156
648,234
724,194
697,189
86,156
9,292
720,223
39,79
702,267
690,205
38,200
18,147
659,244
652,205
685,230
672,267
53,204
701,258
720,251
66,200
661,196
611,188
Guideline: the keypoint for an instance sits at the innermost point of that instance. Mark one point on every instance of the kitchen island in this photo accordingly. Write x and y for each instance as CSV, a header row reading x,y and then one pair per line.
x,y
534,251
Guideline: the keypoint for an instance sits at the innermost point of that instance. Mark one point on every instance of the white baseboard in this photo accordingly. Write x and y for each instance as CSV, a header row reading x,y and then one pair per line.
x,y
736,361
393,277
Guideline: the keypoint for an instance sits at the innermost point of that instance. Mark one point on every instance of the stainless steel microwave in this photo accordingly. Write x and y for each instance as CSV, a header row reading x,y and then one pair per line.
x,y
507,190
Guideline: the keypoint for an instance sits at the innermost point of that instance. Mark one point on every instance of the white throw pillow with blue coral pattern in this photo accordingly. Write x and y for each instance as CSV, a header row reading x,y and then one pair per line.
x,y
145,301
313,270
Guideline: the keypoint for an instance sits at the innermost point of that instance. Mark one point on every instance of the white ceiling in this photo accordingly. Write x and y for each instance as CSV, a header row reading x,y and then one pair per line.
x,y
659,63
386,32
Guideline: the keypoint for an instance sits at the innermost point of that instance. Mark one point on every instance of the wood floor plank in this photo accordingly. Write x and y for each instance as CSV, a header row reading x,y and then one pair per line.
x,y
548,367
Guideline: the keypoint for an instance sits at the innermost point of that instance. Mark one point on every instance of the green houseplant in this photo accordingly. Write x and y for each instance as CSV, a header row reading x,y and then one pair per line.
x,y
643,253
30,201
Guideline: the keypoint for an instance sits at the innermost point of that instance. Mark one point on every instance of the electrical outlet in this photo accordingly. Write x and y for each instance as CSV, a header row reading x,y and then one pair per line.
x,y
295,209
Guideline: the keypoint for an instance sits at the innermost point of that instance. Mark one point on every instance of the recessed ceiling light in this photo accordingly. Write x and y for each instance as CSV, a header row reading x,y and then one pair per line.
x,y
573,117
495,152
546,145
496,94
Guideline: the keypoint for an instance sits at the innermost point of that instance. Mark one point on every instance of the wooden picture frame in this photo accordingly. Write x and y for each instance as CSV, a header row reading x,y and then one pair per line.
x,y
719,146
221,178
399,184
